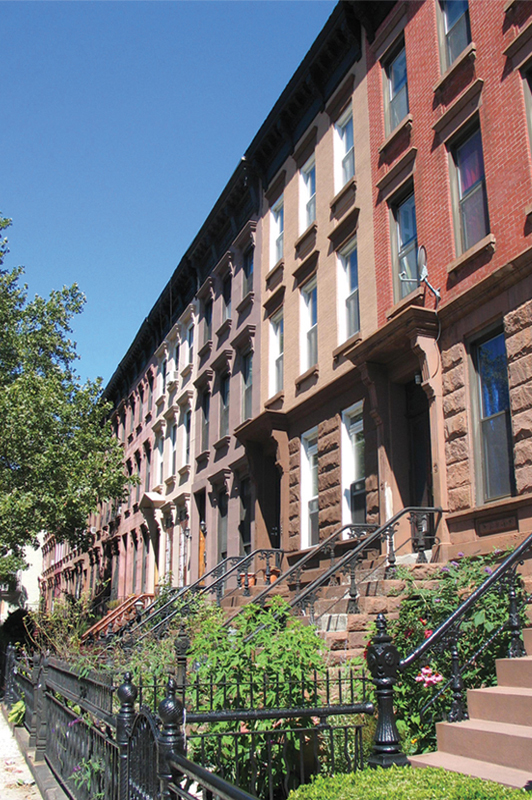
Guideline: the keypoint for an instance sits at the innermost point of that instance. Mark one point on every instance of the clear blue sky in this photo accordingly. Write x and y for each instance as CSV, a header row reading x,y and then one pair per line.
x,y
121,124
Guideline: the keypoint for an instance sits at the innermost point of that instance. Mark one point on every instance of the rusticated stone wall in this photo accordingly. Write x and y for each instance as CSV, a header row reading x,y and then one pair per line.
x,y
294,449
329,476
518,331
457,430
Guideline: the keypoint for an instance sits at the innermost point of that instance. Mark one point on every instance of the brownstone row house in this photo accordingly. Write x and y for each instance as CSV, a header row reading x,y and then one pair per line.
x,y
350,331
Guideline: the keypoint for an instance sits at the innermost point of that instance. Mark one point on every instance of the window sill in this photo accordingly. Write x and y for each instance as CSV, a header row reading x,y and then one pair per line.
x,y
313,372
160,400
185,397
344,193
486,245
469,54
415,298
224,327
528,212
223,442
276,399
306,237
170,480
187,369
246,301
353,340
205,348
130,438
203,456
172,385
184,470
404,125
147,418
138,429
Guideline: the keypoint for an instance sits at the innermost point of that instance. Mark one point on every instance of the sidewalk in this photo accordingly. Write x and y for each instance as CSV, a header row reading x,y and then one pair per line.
x,y
16,780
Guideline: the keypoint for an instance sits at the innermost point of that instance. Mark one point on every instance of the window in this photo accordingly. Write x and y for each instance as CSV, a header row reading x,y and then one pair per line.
x,y
247,269
163,370
470,190
346,149
224,404
226,297
160,459
277,231
404,246
245,516
348,284
456,30
396,89
137,472
131,416
247,385
150,392
308,193
205,411
174,450
309,324
176,357
190,344
309,489
276,353
494,447
147,470
187,422
353,466
222,524
207,321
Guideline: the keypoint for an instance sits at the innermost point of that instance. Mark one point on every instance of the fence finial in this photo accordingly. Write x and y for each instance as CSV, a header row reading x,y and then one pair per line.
x,y
127,694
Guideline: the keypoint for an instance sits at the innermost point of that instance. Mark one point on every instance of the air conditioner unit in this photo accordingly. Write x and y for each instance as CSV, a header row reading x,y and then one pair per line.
x,y
93,530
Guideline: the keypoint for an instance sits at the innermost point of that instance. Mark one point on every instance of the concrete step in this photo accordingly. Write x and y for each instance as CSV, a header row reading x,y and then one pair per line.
x,y
344,640
515,778
511,704
499,743
515,671
338,657
527,639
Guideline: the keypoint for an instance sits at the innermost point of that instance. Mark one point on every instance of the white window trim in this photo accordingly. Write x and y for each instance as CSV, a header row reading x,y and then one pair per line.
x,y
276,354
305,484
349,467
306,326
340,153
344,292
306,218
277,231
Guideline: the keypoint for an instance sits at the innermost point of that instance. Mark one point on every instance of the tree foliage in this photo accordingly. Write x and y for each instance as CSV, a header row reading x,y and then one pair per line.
x,y
58,456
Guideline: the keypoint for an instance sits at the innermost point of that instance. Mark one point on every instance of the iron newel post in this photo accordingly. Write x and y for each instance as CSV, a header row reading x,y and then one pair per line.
x,y
172,737
127,694
383,664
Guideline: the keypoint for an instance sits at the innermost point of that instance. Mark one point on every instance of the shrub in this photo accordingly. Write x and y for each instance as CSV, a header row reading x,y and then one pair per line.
x,y
403,783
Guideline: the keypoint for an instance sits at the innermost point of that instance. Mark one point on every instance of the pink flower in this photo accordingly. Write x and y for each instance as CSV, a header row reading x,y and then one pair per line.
x,y
428,633
428,678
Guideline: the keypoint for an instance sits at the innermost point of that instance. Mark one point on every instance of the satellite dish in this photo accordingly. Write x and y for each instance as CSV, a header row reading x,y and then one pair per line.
x,y
421,259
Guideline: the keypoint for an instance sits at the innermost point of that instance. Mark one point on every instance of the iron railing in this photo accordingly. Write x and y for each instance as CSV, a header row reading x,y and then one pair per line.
x,y
386,664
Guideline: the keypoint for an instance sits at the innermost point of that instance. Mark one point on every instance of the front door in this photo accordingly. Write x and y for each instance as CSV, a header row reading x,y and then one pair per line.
x,y
417,412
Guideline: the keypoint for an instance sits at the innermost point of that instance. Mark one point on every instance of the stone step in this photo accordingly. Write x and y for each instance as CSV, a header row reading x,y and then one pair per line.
x,y
515,671
499,743
527,639
344,640
515,778
338,657
511,704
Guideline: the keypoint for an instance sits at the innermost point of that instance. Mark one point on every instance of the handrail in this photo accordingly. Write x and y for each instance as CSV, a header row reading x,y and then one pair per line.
x,y
481,590
312,553
352,554
152,609
208,780
218,583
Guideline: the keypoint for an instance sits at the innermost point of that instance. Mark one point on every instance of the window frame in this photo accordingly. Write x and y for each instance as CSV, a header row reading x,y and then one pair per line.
x,y
248,258
309,450
307,181
388,62
342,175
277,231
224,390
247,385
458,142
346,294
443,35
351,472
277,352
399,250
226,294
309,329
205,419
482,493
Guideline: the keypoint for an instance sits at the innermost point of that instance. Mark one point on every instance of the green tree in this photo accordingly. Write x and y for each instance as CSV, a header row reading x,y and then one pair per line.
x,y
58,455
